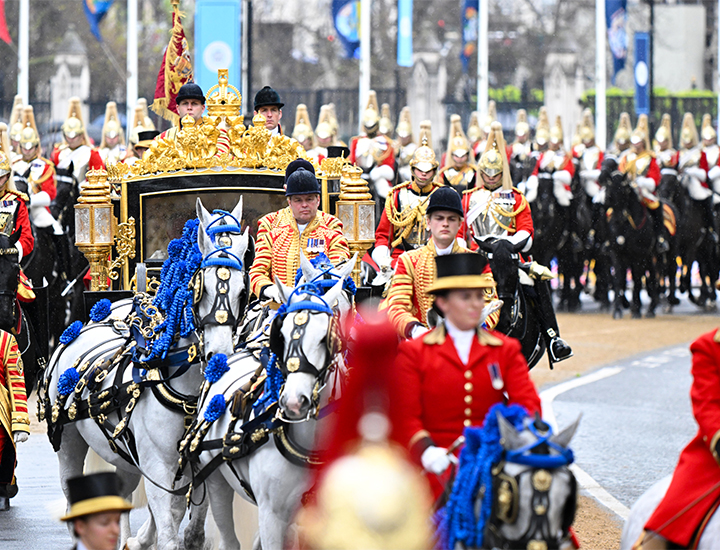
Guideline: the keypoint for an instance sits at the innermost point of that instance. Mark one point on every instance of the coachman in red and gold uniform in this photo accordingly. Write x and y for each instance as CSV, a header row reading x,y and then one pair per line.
x,y
14,418
300,227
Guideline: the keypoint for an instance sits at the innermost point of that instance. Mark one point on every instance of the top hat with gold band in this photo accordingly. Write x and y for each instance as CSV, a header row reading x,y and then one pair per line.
x,y
459,271
94,494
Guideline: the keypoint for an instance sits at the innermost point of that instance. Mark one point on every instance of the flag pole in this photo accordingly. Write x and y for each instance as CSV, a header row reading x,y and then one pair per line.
x,y
364,91
24,52
600,75
131,93
482,60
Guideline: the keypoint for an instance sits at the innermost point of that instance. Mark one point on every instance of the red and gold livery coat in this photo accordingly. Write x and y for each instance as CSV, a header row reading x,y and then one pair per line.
x,y
441,395
279,243
695,487
13,404
407,301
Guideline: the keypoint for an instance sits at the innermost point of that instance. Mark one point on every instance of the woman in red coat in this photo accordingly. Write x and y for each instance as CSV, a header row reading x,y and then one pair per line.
x,y
454,374
695,487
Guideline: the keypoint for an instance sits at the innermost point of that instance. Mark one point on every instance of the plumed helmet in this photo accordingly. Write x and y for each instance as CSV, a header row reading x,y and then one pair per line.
x,y
587,127
542,130
267,97
404,127
708,132
15,123
445,198
386,125
4,150
457,142
111,127
474,132
190,91
29,136
302,129
622,134
521,125
688,133
664,133
371,116
73,125
324,129
641,132
490,117
424,158
494,159
556,132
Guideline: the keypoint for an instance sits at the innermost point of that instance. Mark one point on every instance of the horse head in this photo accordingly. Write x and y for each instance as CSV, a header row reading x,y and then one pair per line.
x,y
305,336
534,491
219,285
322,273
9,273
504,257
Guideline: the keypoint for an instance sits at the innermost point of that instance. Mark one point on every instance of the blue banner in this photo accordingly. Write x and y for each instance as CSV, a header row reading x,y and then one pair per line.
x,y
616,19
346,18
95,10
405,32
642,73
469,26
218,31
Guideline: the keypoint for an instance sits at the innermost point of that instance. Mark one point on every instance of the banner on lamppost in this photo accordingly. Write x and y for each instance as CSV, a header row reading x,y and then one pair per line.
x,y
218,39
469,26
405,31
346,18
616,19
642,73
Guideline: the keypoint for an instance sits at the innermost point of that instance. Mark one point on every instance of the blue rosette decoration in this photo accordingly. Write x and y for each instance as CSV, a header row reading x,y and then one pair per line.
x,y
67,381
100,310
215,409
216,367
71,333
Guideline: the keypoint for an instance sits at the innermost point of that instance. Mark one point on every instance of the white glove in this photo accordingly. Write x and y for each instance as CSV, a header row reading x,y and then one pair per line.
x,y
382,172
381,256
20,437
714,173
20,251
562,176
590,174
437,460
272,293
696,172
40,198
491,307
418,330
646,183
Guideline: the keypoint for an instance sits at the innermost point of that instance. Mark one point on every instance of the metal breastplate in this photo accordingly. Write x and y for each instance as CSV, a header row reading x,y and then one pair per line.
x,y
408,200
406,154
489,208
712,153
590,158
7,216
665,157
689,157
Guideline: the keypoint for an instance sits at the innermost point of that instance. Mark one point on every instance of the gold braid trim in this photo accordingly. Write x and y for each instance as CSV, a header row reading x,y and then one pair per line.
x,y
406,218
506,213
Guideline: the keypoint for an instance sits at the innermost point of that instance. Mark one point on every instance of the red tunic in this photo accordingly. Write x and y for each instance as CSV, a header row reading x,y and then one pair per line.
x,y
384,158
442,395
27,241
697,470
521,222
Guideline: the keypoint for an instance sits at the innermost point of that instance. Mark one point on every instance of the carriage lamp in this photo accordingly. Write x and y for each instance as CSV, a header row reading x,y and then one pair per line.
x,y
356,210
94,226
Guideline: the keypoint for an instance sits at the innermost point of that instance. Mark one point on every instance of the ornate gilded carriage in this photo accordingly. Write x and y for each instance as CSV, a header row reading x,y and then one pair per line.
x,y
137,209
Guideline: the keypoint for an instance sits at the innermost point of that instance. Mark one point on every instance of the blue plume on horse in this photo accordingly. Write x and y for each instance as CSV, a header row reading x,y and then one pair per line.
x,y
273,382
100,310
457,522
174,298
321,261
215,408
216,367
70,333
67,381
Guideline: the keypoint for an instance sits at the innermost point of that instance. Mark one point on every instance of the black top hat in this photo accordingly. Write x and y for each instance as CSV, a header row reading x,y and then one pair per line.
x,y
93,494
460,270
267,96
445,198
302,182
336,151
146,138
190,91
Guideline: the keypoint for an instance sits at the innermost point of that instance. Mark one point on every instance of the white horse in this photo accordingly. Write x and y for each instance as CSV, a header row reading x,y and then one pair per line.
x,y
155,429
304,337
645,506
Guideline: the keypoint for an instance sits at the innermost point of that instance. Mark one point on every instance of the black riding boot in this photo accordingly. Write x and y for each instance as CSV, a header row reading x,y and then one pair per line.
x,y
557,347
662,244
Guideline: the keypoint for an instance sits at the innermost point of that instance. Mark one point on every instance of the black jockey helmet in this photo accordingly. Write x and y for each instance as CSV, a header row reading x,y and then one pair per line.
x,y
190,91
267,97
445,198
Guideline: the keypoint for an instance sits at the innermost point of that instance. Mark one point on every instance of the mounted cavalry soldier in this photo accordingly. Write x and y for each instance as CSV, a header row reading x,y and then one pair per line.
x,y
405,145
14,418
693,168
621,140
589,156
407,301
374,153
402,225
13,209
451,376
712,154
112,146
521,162
35,176
665,154
554,163
458,172
300,227
75,148
497,210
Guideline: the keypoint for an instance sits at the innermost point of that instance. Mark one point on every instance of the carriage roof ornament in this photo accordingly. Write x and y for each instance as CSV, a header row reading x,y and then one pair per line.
x,y
223,99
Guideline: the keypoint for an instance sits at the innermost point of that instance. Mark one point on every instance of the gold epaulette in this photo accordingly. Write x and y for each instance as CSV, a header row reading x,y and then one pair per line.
x,y
716,338
472,190
487,339
18,194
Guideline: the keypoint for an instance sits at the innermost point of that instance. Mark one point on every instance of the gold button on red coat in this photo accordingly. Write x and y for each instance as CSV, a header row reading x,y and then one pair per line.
x,y
468,412
468,399
467,422
468,387
468,374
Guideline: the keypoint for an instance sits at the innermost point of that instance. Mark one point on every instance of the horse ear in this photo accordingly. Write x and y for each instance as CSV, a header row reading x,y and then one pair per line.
x,y
348,267
244,241
15,237
564,437
510,438
237,211
285,291
307,268
333,295
202,214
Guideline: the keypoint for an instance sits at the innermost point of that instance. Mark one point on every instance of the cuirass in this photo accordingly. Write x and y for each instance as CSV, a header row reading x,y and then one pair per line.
x,y
407,200
406,154
491,206
712,153
520,151
590,158
665,157
689,157
7,216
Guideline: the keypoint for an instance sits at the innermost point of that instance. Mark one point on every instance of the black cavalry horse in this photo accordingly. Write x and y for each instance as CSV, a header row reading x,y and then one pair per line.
x,y
632,240
518,314
550,222
12,319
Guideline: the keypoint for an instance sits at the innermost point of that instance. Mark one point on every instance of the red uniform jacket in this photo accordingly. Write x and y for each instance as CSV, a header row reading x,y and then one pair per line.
x,y
387,158
697,470
27,241
442,395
